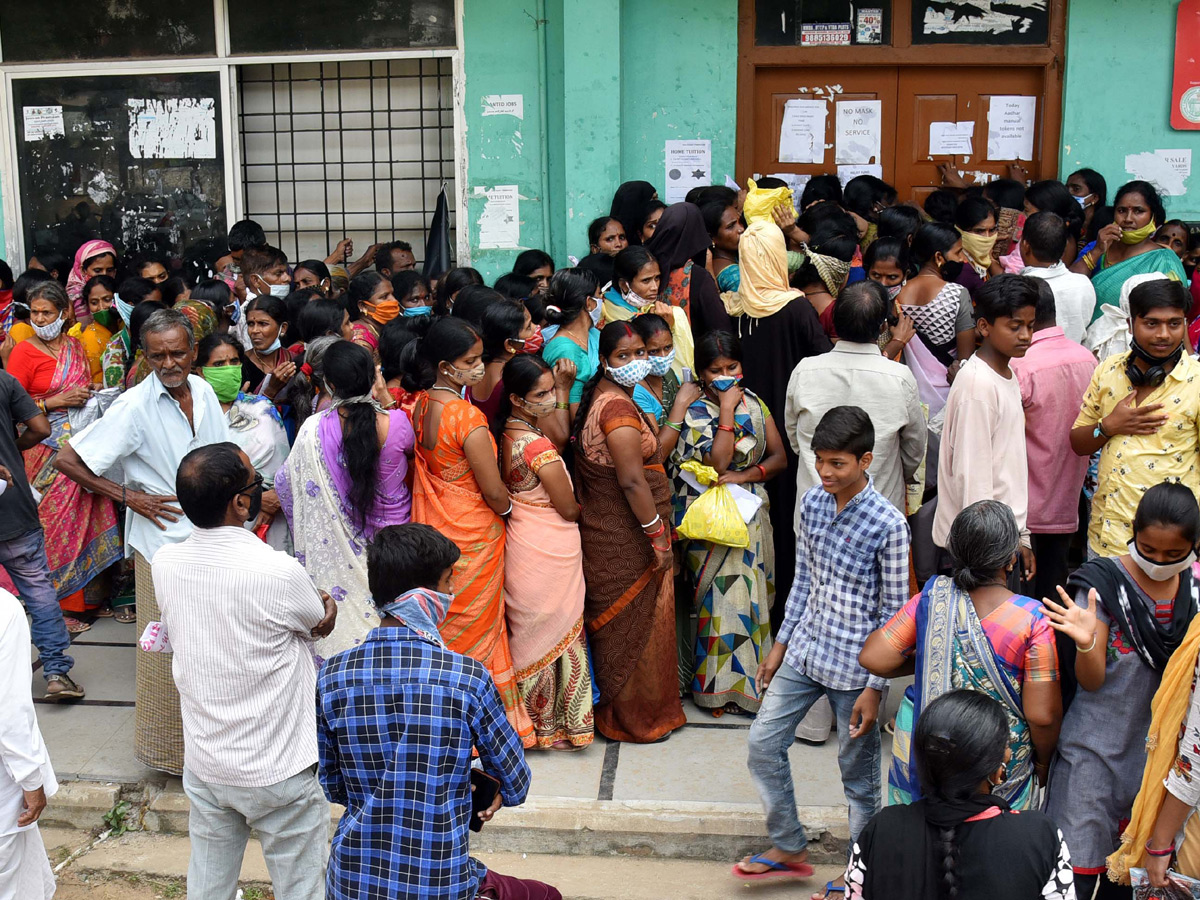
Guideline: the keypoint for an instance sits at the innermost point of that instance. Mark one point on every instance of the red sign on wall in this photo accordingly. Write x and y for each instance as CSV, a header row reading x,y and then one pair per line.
x,y
1185,98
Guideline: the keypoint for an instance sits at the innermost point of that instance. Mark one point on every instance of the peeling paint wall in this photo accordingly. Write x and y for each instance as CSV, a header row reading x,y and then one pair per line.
x,y
1117,93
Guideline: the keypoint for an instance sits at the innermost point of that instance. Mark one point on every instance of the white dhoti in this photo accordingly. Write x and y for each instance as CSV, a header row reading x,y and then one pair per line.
x,y
25,872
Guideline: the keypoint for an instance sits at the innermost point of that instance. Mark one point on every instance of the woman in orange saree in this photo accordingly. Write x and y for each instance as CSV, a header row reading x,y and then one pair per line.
x,y
458,491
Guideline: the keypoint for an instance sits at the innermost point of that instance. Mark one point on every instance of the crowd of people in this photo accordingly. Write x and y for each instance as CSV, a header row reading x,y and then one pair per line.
x,y
959,441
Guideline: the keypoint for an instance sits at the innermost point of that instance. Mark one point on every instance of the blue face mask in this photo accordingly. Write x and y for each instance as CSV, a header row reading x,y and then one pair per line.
x,y
125,310
413,312
725,382
661,365
275,345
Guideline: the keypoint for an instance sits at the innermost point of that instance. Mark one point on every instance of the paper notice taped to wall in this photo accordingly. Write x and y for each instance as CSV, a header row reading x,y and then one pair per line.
x,y
951,138
500,224
1011,123
845,173
43,122
504,105
688,165
1167,170
802,133
173,128
858,131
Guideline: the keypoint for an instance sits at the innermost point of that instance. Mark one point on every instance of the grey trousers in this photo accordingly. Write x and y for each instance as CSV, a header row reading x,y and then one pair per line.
x,y
292,821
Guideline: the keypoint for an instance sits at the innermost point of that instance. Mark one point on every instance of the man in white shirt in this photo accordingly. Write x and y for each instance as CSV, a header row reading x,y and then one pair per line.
x,y
856,373
26,776
239,617
1042,245
149,429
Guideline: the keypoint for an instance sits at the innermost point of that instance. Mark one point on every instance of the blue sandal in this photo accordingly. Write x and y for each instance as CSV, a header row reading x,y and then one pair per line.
x,y
775,869
831,888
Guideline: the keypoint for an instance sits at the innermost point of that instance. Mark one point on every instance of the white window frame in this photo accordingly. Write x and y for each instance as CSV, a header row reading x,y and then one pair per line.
x,y
226,66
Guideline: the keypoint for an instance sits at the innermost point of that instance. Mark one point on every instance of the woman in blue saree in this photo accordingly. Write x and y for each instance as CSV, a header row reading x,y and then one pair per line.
x,y
970,631
1126,247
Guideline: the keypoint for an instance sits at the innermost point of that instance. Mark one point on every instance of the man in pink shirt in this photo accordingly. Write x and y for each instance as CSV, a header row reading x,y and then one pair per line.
x,y
1054,375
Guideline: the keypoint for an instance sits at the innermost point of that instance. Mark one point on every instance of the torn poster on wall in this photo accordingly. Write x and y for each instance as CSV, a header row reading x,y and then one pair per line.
x,y
951,138
858,131
981,21
43,122
173,128
500,223
688,165
802,132
1168,170
504,105
845,173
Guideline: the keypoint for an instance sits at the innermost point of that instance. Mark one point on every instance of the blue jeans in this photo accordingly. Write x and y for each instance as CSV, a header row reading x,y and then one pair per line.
x,y
787,700
24,558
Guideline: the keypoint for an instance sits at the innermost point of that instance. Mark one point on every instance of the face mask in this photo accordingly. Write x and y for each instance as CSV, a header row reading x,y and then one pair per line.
x,y
950,270
978,247
107,318
629,374
124,310
51,331
415,312
275,345
255,501
469,377
226,381
894,291
1159,571
1083,201
595,313
637,301
537,410
280,290
535,342
1137,235
235,313
382,312
661,365
725,382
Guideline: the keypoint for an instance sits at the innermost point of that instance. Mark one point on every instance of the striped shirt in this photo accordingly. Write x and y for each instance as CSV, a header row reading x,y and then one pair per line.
x,y
238,615
851,577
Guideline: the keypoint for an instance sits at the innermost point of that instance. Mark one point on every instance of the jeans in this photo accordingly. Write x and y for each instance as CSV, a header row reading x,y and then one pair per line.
x,y
24,558
292,821
787,700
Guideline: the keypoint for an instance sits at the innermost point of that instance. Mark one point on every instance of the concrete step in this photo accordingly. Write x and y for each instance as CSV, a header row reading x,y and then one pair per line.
x,y
673,829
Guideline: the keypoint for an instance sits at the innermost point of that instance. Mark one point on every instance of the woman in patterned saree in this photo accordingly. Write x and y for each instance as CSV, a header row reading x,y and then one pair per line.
x,y
732,431
343,481
458,491
82,538
542,547
971,631
625,500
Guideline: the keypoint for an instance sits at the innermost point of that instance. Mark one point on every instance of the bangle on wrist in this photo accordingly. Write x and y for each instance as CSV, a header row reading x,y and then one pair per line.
x,y
728,428
651,523
762,471
1167,851
677,426
1091,647
561,405
661,529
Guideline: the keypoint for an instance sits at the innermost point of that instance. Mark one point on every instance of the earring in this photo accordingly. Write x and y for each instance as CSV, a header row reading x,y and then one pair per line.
x,y
1002,777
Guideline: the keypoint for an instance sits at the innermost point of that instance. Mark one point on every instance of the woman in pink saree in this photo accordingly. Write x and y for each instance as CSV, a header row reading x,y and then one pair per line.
x,y
92,259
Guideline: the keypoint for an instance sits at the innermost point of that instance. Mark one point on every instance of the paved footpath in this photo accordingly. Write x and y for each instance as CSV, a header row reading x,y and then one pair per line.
x,y
687,798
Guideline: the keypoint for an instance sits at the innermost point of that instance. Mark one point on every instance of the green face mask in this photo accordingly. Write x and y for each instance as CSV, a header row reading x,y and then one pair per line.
x,y
108,318
1139,234
226,381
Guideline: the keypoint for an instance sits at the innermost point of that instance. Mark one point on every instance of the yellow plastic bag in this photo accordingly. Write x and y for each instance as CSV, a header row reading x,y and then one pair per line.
x,y
761,201
713,516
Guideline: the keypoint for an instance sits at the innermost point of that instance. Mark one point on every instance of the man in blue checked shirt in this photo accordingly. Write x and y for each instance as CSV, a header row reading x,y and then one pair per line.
x,y
851,577
396,720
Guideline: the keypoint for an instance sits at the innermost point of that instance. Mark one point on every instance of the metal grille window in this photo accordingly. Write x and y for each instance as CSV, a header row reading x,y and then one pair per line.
x,y
346,149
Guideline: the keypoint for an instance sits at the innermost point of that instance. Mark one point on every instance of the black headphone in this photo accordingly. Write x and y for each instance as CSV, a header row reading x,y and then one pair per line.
x,y
1159,366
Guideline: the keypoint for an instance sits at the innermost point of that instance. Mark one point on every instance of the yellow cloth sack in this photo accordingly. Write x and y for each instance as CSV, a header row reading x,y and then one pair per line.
x,y
760,202
713,516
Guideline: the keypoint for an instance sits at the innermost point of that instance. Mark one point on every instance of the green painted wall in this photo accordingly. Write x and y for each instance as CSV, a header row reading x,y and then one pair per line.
x,y
620,79
1115,103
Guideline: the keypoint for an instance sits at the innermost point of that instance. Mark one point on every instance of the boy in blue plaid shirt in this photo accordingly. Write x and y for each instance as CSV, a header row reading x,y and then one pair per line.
x,y
396,720
851,577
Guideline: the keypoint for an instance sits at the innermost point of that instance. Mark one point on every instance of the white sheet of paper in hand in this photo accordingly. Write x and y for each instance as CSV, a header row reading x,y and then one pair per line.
x,y
802,132
747,502
951,138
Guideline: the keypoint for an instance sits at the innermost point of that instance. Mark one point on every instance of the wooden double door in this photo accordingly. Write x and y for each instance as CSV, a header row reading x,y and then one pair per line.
x,y
916,86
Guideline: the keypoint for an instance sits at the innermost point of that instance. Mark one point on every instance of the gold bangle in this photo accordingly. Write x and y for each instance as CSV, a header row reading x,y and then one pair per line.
x,y
1091,648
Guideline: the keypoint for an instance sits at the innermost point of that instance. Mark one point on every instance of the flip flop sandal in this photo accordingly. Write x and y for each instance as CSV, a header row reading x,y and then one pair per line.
x,y
75,626
67,689
831,888
776,870
104,612
126,615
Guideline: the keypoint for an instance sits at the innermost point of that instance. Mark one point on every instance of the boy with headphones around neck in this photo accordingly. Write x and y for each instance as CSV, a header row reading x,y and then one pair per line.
x,y
1142,410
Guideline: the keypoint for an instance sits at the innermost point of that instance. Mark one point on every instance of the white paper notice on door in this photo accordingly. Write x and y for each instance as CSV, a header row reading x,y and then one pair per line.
x,y
42,122
173,128
951,138
802,134
688,165
858,131
845,173
500,224
1011,123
